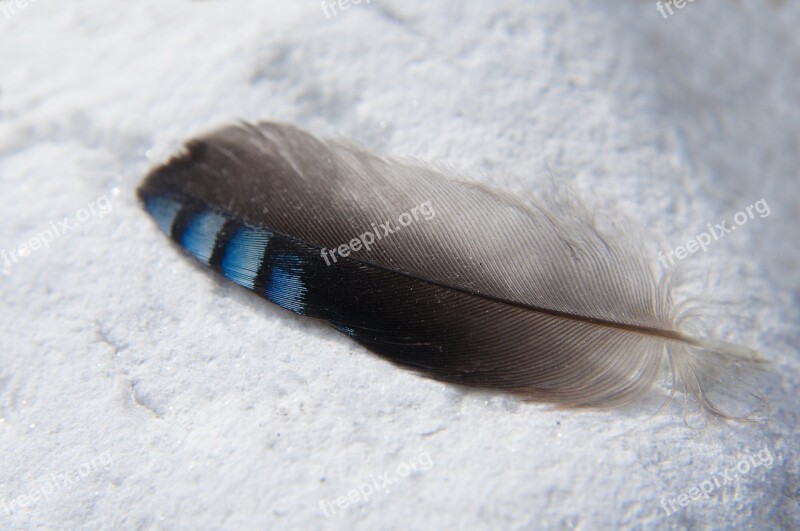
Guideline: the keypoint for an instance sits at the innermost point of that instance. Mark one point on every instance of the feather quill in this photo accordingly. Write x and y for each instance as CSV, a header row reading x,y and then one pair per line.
x,y
484,291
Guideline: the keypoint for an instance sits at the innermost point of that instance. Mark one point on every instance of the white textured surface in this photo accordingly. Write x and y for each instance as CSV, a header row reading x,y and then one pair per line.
x,y
174,400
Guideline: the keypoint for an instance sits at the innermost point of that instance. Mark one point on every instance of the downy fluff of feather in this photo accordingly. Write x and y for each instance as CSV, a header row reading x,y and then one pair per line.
x,y
483,291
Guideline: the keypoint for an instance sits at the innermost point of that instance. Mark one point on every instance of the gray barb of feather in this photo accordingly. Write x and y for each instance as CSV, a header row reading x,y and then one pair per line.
x,y
529,298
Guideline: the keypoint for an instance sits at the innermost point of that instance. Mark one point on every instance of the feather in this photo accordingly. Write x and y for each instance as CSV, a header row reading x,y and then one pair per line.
x,y
451,279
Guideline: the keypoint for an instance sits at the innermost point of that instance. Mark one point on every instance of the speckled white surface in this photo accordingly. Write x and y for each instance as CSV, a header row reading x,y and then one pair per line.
x,y
137,391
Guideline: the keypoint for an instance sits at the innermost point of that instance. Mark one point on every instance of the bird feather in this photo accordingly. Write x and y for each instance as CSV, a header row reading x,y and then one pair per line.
x,y
476,288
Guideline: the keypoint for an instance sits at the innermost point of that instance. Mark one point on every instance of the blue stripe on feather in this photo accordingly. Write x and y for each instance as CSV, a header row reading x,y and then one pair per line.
x,y
201,233
345,330
285,287
244,255
164,211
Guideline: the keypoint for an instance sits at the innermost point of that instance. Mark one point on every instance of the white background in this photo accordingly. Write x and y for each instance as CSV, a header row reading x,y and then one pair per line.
x,y
219,410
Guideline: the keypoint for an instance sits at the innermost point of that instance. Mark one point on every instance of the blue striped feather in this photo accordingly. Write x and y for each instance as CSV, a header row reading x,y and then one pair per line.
x,y
255,258
490,292
244,254
358,299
